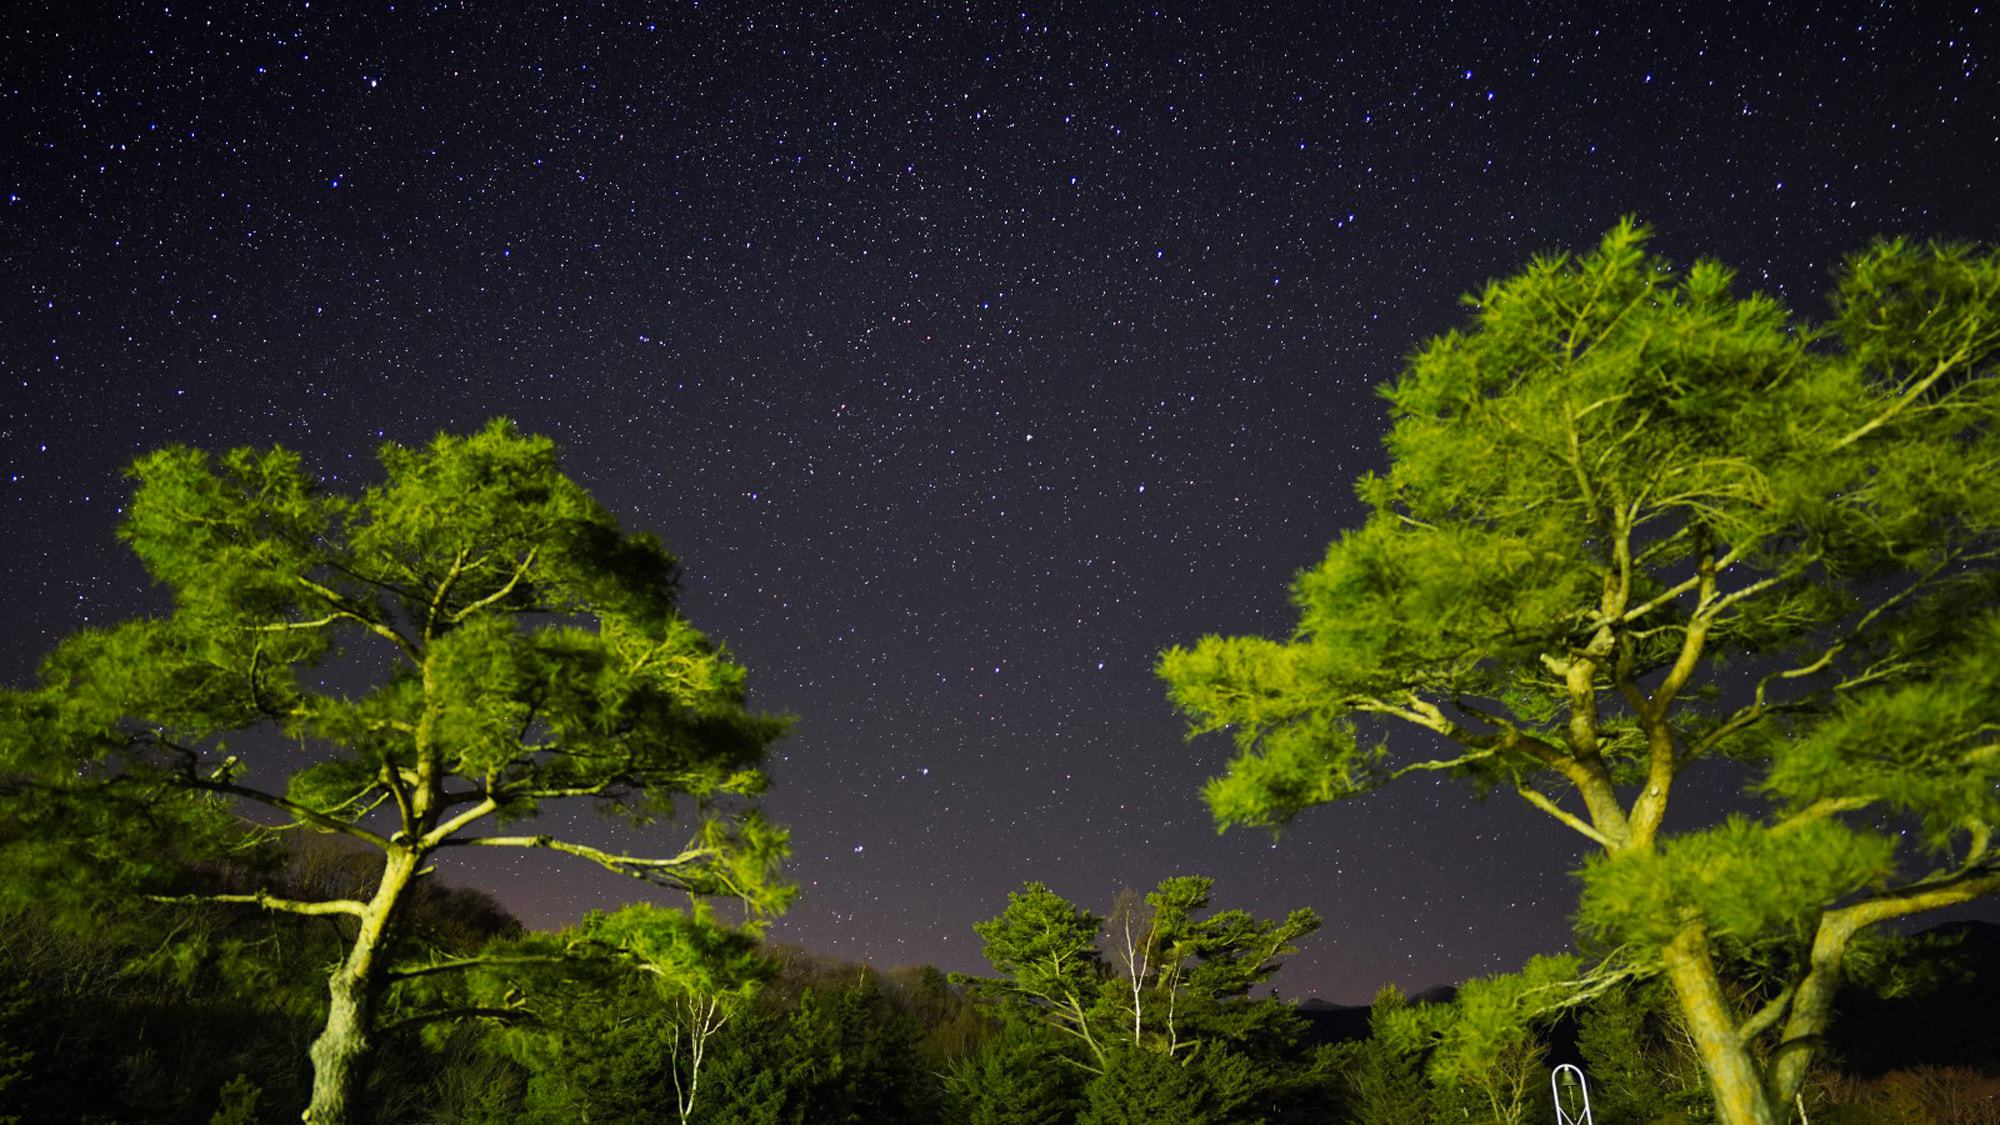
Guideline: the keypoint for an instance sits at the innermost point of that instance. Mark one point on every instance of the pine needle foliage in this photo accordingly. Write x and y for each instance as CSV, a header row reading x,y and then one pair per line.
x,y
413,665
1637,521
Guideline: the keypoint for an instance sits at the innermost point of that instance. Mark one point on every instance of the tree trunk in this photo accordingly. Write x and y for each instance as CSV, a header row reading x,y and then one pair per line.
x,y
1732,1073
340,1054
1812,1010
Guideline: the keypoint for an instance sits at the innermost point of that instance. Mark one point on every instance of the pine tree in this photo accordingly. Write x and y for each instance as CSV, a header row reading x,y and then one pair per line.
x,y
444,652
1636,523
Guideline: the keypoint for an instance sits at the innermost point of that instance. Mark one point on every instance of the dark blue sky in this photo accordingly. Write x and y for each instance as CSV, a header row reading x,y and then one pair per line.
x,y
968,355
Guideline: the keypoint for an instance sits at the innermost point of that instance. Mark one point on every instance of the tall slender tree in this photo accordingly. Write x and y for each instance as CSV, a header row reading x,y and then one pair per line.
x,y
424,661
1636,522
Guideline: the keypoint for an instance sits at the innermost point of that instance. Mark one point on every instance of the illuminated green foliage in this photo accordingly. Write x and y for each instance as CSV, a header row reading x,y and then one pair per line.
x,y
1744,879
1149,1009
619,1012
1215,1087
1478,1056
1045,950
1634,1058
1634,521
1017,1078
410,666
1384,1072
1489,1048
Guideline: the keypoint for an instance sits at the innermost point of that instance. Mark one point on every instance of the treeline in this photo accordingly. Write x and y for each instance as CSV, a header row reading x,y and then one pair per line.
x,y
1148,1013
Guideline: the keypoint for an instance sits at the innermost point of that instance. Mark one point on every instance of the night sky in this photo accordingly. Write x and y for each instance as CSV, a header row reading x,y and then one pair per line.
x,y
967,355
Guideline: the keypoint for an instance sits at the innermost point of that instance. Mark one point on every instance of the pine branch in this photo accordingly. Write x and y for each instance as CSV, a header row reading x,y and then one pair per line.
x,y
271,902
298,811
344,608
1915,390
1542,801
681,872
520,572
1759,707
443,591
505,1015
447,829
460,964
1444,764
1768,1016
1979,876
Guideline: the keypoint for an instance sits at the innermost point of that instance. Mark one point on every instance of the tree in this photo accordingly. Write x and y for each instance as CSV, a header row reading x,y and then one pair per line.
x,y
1045,950
148,1014
1141,1087
1016,1078
1384,1072
1635,523
702,972
444,651
626,1005
1478,1056
1487,1055
1638,1056
1183,970
839,1051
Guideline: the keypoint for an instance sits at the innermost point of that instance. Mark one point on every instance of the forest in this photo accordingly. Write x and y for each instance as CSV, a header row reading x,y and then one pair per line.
x,y
1638,524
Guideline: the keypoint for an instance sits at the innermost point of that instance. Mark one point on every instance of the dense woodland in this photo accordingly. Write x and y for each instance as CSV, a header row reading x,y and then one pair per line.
x,y
207,1017
1636,524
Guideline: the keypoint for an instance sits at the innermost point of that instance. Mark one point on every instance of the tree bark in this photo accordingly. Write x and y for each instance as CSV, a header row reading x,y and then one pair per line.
x,y
1812,1009
340,1054
1732,1073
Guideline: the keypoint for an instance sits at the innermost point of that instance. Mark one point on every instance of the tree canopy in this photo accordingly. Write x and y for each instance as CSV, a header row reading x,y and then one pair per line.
x,y
413,666
1636,521
1158,979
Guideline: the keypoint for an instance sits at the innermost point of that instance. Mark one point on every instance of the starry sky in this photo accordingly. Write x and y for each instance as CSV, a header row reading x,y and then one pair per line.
x,y
968,355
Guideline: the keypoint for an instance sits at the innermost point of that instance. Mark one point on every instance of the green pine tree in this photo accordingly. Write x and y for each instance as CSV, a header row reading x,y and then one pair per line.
x,y
1636,523
500,642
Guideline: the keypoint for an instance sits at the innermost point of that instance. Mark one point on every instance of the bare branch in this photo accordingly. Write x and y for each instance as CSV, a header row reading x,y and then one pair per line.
x,y
520,572
406,972
682,872
446,829
1915,391
344,608
1716,607
443,591
597,790
1674,592
1445,764
506,1015
1693,643
309,815
1607,400
287,626
392,780
1944,889
271,902
1541,801
1820,810
1768,1016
